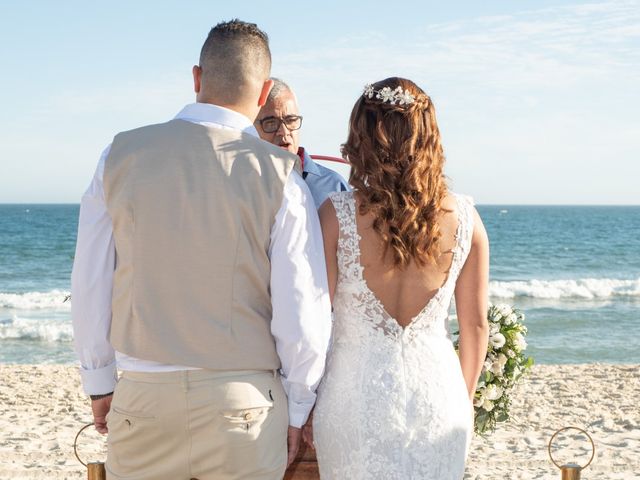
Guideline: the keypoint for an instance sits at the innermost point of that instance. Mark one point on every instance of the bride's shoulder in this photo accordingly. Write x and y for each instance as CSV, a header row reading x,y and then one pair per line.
x,y
334,203
328,214
454,201
468,215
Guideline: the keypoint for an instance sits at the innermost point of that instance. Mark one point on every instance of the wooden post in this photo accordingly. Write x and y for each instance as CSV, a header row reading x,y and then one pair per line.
x,y
570,472
96,471
304,467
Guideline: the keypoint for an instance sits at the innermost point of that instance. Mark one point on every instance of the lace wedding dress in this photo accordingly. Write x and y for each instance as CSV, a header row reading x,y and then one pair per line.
x,y
393,404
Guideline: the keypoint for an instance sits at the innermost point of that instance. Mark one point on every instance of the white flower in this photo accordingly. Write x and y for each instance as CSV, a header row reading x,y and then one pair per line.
x,y
493,392
486,366
505,309
477,402
511,353
494,328
387,95
405,98
502,358
510,319
487,405
496,369
495,315
519,341
498,340
368,90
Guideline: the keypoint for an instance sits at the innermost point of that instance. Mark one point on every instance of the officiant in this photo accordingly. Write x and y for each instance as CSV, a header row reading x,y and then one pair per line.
x,y
279,123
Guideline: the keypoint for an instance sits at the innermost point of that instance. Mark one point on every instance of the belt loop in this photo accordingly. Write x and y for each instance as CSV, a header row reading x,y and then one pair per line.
x,y
275,374
185,381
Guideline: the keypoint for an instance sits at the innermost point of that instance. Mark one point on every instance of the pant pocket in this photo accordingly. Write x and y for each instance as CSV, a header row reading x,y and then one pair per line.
x,y
247,419
129,439
252,428
142,431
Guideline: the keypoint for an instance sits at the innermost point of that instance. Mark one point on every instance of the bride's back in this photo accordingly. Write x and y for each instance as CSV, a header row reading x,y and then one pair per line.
x,y
404,292
401,193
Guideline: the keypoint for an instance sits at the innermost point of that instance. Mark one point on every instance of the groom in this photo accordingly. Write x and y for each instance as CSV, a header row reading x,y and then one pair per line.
x,y
199,273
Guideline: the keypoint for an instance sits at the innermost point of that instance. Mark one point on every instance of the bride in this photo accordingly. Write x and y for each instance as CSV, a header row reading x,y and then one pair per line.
x,y
396,401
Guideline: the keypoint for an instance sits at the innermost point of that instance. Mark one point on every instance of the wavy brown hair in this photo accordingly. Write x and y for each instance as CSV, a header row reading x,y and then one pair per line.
x,y
397,165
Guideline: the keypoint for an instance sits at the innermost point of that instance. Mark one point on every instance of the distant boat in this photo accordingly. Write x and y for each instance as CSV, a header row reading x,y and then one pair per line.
x,y
502,212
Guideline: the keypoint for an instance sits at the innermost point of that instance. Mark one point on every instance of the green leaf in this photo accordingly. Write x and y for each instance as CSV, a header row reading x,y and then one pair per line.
x,y
481,422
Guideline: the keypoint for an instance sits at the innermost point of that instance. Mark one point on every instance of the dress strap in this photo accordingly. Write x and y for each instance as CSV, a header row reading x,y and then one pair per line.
x,y
464,233
348,239
344,205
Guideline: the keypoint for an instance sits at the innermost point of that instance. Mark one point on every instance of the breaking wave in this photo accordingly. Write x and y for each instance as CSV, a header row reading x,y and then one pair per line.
x,y
586,288
16,328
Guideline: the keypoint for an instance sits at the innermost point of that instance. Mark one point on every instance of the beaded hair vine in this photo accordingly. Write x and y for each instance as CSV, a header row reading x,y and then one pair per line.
x,y
387,95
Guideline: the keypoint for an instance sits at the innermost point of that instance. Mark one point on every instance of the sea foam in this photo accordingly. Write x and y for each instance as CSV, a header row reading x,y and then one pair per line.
x,y
52,300
17,328
585,288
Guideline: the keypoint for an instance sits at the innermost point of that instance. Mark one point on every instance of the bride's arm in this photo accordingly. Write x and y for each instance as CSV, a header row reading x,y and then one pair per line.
x,y
471,306
330,232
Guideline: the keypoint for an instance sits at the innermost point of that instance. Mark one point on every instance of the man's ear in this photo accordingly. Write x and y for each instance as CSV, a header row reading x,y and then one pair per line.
x,y
264,93
197,78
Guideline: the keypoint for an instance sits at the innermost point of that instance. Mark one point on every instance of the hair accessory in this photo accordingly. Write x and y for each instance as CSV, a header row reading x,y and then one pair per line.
x,y
386,95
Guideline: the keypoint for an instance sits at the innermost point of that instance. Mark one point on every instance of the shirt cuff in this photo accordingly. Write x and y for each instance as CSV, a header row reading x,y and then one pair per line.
x,y
301,400
99,381
298,413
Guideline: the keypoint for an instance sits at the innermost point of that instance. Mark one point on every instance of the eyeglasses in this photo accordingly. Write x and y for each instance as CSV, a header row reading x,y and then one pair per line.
x,y
272,124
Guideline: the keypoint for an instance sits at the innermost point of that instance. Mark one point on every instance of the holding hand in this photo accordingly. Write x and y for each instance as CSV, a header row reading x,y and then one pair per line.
x,y
307,432
293,443
100,408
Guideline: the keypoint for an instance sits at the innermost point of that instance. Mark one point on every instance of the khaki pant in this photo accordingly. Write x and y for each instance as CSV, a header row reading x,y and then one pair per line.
x,y
197,424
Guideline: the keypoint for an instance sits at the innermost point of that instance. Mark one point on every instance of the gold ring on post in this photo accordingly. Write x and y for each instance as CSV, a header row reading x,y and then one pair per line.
x,y
75,442
593,447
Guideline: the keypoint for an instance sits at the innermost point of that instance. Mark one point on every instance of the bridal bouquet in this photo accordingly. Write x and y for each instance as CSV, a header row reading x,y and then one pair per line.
x,y
504,366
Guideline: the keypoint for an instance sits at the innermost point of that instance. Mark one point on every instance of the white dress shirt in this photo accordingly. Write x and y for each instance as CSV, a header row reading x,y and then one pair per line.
x,y
301,321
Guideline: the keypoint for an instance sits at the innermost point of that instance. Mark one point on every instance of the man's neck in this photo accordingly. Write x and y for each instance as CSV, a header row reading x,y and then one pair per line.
x,y
250,113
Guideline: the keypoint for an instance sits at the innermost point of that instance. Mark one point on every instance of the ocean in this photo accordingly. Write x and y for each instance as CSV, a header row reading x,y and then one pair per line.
x,y
573,270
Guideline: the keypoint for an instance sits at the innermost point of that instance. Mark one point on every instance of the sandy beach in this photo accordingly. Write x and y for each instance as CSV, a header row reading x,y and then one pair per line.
x,y
42,407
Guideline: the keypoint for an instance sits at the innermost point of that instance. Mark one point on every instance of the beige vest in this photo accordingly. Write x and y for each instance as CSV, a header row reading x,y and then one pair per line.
x,y
192,210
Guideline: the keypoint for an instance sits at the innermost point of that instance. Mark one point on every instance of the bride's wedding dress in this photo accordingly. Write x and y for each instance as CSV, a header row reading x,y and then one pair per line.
x,y
393,403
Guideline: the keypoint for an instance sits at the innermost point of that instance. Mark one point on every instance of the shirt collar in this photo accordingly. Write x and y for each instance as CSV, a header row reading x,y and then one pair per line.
x,y
206,113
309,166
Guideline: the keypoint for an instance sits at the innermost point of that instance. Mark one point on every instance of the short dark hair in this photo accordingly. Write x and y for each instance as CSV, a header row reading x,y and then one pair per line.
x,y
234,54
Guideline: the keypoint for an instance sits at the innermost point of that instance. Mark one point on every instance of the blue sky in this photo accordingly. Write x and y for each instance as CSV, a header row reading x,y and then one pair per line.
x,y
538,101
